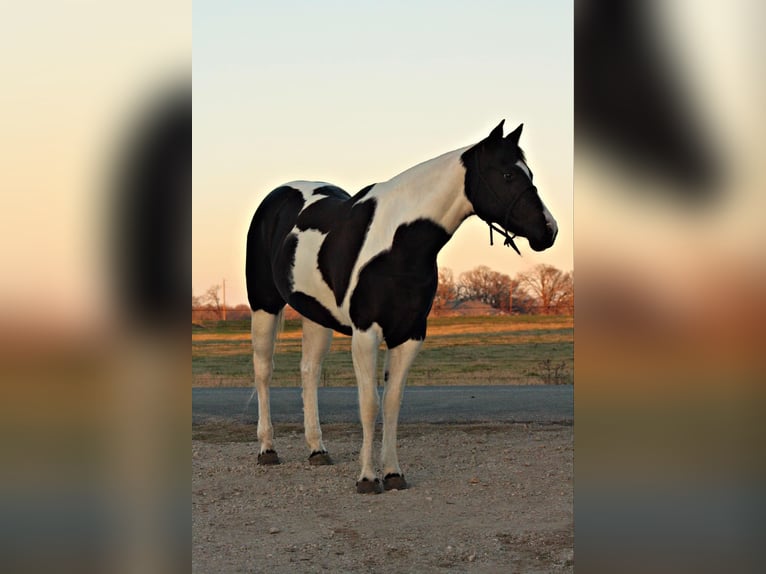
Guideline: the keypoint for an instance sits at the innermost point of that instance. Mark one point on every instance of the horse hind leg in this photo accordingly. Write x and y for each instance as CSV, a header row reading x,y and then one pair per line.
x,y
264,327
315,345
398,364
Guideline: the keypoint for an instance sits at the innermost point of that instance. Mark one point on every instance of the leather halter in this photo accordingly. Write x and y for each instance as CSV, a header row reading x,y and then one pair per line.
x,y
503,229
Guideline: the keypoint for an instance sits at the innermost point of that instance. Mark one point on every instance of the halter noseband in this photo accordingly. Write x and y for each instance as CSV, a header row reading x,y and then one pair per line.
x,y
492,227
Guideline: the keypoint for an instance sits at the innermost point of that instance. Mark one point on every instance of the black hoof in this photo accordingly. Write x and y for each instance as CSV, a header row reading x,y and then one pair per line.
x,y
320,458
268,457
394,481
366,486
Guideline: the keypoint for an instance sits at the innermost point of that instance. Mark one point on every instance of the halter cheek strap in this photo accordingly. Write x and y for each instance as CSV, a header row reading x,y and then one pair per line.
x,y
508,238
492,227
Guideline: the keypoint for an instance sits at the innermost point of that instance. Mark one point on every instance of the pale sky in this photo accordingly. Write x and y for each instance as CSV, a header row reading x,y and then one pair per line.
x,y
355,92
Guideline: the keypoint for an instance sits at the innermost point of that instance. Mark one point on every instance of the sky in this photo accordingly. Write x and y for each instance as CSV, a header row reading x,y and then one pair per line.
x,y
355,93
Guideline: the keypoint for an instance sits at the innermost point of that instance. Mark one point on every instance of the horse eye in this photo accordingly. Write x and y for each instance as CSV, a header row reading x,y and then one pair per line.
x,y
507,176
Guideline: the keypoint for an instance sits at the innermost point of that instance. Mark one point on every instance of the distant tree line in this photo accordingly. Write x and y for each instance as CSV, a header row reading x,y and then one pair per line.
x,y
544,290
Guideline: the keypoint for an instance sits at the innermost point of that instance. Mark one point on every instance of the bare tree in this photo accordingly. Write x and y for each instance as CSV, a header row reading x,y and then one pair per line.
x,y
212,299
486,285
552,289
521,301
446,292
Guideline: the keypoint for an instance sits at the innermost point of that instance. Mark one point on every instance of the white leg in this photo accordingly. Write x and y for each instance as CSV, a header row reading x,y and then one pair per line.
x,y
316,343
399,361
364,351
263,328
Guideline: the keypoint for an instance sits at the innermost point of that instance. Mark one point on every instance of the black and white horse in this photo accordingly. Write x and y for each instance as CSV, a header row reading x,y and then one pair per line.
x,y
365,265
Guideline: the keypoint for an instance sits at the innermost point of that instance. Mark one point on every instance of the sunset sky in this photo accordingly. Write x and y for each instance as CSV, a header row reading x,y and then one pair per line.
x,y
354,93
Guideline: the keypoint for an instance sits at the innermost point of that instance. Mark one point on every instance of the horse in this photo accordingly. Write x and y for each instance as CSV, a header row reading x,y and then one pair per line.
x,y
365,266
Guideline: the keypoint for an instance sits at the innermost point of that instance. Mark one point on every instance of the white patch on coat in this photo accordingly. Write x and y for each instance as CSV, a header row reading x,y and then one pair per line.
x,y
306,275
307,190
434,191
525,169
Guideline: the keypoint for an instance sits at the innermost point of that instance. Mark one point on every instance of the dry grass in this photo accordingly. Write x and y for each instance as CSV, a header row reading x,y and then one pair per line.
x,y
458,351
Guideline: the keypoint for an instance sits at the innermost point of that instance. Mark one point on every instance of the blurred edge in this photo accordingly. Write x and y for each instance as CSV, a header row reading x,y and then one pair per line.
x,y
670,315
94,360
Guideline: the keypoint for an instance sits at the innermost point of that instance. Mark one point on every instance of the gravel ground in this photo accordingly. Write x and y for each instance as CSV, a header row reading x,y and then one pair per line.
x,y
482,498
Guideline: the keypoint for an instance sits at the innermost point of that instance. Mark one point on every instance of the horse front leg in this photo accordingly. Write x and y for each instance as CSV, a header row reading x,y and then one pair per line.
x,y
263,327
399,360
364,351
316,344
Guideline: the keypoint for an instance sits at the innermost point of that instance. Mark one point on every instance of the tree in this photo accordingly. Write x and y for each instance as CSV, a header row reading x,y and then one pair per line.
x,y
521,301
239,312
213,300
486,285
446,292
552,289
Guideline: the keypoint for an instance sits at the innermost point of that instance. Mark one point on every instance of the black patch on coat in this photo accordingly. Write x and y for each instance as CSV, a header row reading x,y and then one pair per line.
x,y
273,220
396,288
362,193
321,215
346,224
283,265
308,306
331,191
500,192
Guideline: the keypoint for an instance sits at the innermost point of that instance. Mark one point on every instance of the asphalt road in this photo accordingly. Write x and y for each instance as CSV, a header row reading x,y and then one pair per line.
x,y
449,404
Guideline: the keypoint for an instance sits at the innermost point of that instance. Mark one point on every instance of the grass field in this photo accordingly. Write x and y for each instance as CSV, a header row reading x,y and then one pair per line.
x,y
458,351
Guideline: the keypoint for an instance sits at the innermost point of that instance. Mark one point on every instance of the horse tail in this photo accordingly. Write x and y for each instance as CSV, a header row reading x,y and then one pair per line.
x,y
280,324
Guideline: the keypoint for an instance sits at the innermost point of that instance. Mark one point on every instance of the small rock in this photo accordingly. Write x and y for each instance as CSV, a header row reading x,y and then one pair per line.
x,y
274,530
472,557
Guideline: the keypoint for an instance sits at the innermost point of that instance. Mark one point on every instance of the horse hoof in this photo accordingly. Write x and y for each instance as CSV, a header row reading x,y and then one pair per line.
x,y
320,458
394,481
268,457
367,486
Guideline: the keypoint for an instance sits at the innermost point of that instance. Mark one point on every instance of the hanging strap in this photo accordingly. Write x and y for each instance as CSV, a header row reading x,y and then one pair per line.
x,y
508,238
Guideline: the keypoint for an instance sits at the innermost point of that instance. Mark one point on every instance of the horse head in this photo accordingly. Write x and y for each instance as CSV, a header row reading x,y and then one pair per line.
x,y
498,183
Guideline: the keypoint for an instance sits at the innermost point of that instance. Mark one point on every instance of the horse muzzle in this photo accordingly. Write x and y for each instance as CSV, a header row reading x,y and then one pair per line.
x,y
548,238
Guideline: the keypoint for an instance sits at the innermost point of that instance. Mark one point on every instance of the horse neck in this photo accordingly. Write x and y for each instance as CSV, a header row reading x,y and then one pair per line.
x,y
433,190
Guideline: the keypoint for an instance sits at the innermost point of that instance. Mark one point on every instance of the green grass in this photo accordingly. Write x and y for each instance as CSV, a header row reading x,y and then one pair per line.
x,y
457,351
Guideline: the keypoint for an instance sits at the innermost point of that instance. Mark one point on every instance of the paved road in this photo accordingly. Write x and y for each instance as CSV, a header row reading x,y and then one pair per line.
x,y
449,404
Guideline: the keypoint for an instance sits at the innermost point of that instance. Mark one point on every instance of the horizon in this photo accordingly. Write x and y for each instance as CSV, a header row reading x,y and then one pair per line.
x,y
456,278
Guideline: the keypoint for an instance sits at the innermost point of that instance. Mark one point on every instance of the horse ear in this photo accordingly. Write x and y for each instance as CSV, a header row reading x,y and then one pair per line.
x,y
515,135
497,133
